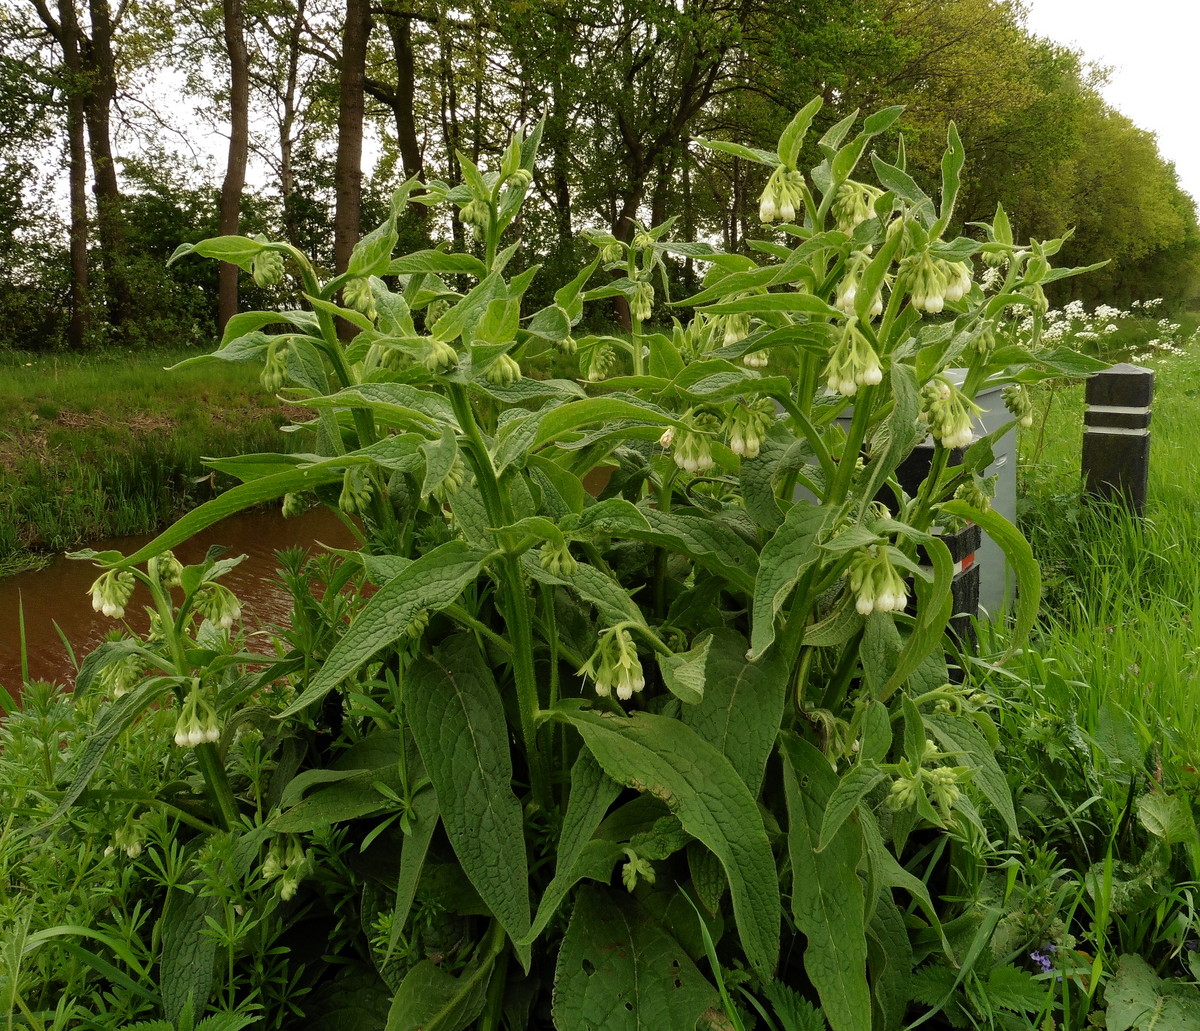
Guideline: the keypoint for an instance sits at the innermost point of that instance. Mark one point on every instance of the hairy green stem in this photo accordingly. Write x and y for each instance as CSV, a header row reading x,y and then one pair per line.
x,y
513,592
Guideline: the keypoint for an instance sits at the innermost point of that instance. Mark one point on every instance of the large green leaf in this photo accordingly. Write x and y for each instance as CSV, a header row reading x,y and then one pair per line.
x,y
245,495
1018,554
618,970
664,758
579,855
742,706
791,550
431,999
432,582
960,736
457,719
827,895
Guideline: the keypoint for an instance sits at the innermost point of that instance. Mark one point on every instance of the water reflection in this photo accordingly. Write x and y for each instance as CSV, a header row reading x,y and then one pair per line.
x,y
59,593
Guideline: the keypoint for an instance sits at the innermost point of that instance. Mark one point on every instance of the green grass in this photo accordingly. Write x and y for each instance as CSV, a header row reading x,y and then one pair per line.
x,y
1121,613
109,443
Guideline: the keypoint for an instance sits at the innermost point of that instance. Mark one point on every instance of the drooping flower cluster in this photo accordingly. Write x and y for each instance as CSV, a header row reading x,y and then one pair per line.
x,y
356,490
615,666
783,196
847,293
949,412
121,674
876,584
1018,401
287,860
111,592
641,303
852,362
219,605
919,784
693,442
931,282
440,357
599,362
557,559
166,569
747,425
503,372
197,723
853,204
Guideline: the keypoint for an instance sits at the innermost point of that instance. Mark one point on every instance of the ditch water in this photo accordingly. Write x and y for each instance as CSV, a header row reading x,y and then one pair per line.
x,y
58,594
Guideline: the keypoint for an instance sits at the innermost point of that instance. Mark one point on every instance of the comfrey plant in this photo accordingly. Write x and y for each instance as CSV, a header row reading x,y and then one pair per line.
x,y
653,754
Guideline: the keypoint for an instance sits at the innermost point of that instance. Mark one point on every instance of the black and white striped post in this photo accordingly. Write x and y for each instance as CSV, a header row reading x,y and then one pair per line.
x,y
1116,434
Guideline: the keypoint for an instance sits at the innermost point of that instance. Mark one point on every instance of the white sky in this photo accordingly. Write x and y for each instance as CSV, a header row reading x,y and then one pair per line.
x,y
1151,47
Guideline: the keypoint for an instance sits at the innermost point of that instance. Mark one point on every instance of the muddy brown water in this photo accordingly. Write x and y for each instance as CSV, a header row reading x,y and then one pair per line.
x,y
58,594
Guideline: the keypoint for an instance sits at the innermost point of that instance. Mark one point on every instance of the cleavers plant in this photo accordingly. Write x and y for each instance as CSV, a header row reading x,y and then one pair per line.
x,y
680,623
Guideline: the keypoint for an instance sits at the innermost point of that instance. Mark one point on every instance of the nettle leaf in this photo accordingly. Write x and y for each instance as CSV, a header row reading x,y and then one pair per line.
x,y
827,895
457,719
439,459
1139,1000
396,404
618,970
664,758
905,187
742,708
568,418
432,582
890,960
237,250
784,558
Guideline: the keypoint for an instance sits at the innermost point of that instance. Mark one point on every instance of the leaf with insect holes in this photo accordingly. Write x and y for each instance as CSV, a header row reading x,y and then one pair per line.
x,y
618,970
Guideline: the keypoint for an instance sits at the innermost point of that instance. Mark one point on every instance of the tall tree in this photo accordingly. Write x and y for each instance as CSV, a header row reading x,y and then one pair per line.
x,y
100,74
234,18
76,173
356,33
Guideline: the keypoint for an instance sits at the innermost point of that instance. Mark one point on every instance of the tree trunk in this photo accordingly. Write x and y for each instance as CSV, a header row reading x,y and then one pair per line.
x,y
77,164
287,144
348,166
239,145
100,72
399,25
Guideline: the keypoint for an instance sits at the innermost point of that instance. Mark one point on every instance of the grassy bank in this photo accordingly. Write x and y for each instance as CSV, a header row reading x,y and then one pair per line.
x,y
110,443
1121,614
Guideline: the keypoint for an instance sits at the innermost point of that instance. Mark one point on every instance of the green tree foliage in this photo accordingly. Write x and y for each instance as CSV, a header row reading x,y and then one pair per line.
x,y
626,87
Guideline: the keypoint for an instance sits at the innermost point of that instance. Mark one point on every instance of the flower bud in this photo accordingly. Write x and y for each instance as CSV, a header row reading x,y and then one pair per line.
x,y
274,374
267,268
357,294
503,372
440,356
642,302
356,491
